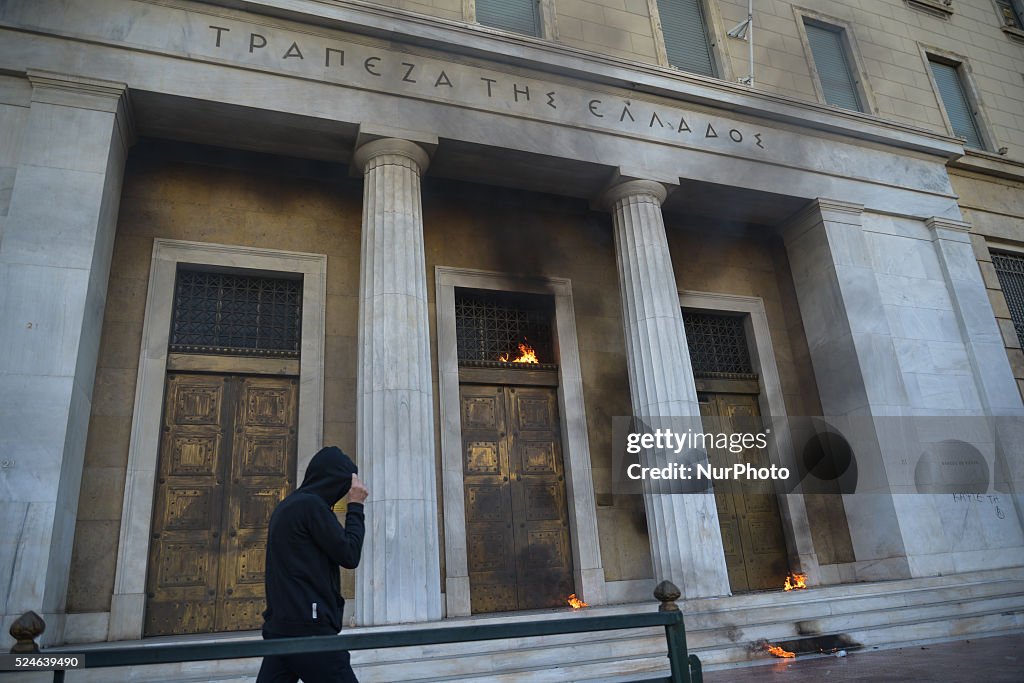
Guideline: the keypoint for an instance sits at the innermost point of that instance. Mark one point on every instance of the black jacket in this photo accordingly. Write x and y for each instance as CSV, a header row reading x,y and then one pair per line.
x,y
305,545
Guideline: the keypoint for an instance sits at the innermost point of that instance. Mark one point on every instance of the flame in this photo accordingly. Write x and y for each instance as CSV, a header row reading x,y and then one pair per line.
x,y
795,582
779,652
526,355
576,603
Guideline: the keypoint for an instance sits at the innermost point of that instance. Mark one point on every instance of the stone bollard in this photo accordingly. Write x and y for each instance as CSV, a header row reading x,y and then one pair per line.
x,y
25,630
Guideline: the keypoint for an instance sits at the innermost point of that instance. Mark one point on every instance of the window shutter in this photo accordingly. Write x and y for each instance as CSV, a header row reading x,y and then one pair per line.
x,y
958,107
521,16
833,67
686,35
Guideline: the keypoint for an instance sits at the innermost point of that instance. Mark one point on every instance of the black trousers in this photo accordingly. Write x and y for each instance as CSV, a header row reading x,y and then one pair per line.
x,y
314,667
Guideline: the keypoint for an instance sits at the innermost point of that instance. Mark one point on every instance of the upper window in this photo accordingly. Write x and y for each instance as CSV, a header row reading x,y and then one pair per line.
x,y
718,345
1012,13
521,16
227,313
686,35
498,328
832,62
962,114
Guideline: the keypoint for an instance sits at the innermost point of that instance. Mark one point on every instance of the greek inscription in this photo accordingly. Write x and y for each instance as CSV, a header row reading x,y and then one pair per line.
x,y
340,53
442,79
375,65
219,30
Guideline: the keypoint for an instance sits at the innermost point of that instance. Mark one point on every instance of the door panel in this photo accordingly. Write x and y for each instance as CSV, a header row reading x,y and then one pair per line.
x,y
227,458
748,511
490,540
541,519
517,529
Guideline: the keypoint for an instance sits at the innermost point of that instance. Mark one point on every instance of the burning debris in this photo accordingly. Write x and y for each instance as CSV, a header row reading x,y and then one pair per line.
x,y
795,582
779,652
575,602
526,355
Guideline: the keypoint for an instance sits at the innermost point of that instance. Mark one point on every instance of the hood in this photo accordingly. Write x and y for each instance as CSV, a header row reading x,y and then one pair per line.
x,y
329,474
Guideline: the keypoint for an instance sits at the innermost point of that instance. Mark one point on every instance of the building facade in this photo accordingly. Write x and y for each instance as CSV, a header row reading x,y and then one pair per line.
x,y
231,232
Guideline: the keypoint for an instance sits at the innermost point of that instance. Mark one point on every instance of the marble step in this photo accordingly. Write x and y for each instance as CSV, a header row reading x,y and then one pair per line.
x,y
721,631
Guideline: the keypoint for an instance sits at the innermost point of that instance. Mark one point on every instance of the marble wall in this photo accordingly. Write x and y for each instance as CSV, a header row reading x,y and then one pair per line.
x,y
277,203
291,205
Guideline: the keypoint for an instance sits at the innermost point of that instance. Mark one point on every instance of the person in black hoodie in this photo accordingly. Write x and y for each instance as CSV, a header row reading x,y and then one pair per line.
x,y
305,546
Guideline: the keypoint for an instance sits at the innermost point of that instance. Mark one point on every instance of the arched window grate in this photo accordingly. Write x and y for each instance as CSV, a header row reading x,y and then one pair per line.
x,y
718,345
236,314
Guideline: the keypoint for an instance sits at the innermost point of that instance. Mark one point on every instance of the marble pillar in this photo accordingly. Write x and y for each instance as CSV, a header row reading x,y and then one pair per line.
x,y
997,389
55,257
686,542
398,579
858,375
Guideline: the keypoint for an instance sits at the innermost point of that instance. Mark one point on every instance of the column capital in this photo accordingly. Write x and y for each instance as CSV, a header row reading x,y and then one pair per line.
x,y
948,228
81,92
75,91
634,188
390,147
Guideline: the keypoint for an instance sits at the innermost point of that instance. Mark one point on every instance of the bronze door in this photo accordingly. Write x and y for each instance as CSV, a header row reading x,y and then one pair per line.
x,y
748,510
227,457
517,523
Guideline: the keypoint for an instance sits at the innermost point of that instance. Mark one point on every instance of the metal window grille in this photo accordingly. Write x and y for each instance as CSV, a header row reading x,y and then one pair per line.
x,y
1010,270
233,314
718,345
489,325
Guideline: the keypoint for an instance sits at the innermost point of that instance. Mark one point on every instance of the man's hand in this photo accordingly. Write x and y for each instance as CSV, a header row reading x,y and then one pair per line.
x,y
358,493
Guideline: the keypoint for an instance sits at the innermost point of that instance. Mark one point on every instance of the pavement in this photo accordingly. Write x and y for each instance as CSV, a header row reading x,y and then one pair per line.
x,y
998,659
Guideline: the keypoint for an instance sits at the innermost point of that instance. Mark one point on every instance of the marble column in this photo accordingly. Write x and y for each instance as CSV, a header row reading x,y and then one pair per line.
x,y
398,579
55,257
686,542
